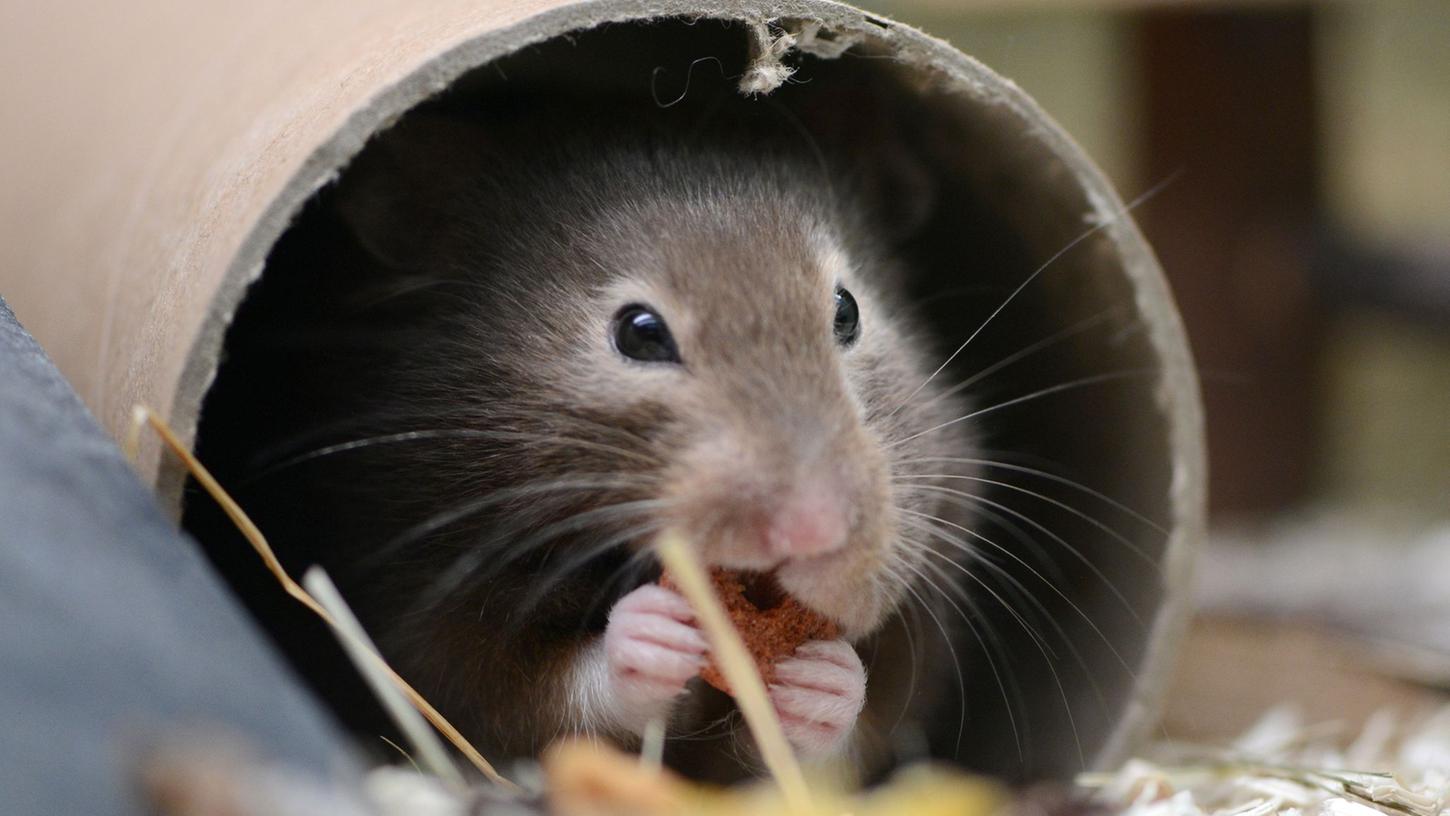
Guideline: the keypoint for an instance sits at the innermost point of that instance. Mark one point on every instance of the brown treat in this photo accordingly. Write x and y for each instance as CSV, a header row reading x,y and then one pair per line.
x,y
772,623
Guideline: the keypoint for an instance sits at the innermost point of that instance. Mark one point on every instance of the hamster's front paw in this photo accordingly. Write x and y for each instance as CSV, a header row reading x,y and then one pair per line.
x,y
652,648
818,692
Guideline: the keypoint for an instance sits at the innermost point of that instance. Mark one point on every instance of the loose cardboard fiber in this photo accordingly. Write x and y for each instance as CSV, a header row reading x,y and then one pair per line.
x,y
153,153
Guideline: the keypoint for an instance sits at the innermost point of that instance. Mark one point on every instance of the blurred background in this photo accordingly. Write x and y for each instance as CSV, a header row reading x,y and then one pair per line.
x,y
1306,231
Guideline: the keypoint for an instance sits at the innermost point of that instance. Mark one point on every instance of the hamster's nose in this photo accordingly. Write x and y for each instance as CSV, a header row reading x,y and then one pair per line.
x,y
809,522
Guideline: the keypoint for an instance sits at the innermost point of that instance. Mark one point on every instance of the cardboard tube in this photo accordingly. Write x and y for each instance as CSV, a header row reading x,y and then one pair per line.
x,y
152,153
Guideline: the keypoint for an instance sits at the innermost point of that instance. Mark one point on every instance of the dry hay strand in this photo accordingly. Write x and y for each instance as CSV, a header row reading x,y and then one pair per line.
x,y
584,778
1281,767
368,659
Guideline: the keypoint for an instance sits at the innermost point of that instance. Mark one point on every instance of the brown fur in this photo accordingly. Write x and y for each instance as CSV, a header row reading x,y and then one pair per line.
x,y
462,281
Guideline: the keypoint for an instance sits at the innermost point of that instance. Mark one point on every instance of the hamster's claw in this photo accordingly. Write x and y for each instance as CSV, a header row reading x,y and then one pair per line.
x,y
818,693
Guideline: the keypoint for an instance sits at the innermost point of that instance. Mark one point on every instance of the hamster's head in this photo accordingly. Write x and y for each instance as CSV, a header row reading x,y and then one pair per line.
x,y
696,340
771,389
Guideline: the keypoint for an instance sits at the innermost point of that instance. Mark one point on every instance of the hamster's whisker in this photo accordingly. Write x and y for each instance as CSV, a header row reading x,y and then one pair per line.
x,y
739,746
1068,247
961,593
952,652
956,497
1027,351
1097,379
602,426
1049,565
913,650
468,572
496,554
966,548
1093,520
445,434
1040,609
439,521
578,560
504,424
1042,474
1030,545
556,437
956,660
401,285
627,574
981,506
710,729
1049,657
927,523
1056,478
1011,610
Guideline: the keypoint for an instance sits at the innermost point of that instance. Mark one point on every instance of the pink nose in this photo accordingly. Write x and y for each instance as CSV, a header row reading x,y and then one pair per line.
x,y
810,522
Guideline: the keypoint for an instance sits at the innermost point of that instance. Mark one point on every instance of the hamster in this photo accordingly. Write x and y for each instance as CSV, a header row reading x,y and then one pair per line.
x,y
498,359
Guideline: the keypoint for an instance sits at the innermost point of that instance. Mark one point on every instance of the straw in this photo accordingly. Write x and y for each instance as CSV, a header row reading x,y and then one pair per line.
x,y
141,416
739,669
359,647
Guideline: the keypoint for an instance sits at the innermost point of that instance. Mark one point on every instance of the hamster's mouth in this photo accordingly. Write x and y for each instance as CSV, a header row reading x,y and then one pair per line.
x,y
825,585
828,585
763,589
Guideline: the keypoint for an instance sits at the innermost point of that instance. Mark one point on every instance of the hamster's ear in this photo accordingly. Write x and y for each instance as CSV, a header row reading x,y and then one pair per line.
x,y
880,139
401,192
900,189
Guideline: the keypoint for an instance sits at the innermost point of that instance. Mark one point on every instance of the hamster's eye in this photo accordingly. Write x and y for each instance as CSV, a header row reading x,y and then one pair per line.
x,y
641,334
848,318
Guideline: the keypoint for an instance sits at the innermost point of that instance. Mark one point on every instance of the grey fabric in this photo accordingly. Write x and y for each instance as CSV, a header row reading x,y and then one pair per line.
x,y
113,628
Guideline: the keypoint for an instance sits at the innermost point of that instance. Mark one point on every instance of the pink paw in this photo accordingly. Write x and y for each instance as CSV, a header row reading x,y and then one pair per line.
x,y
652,648
818,692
